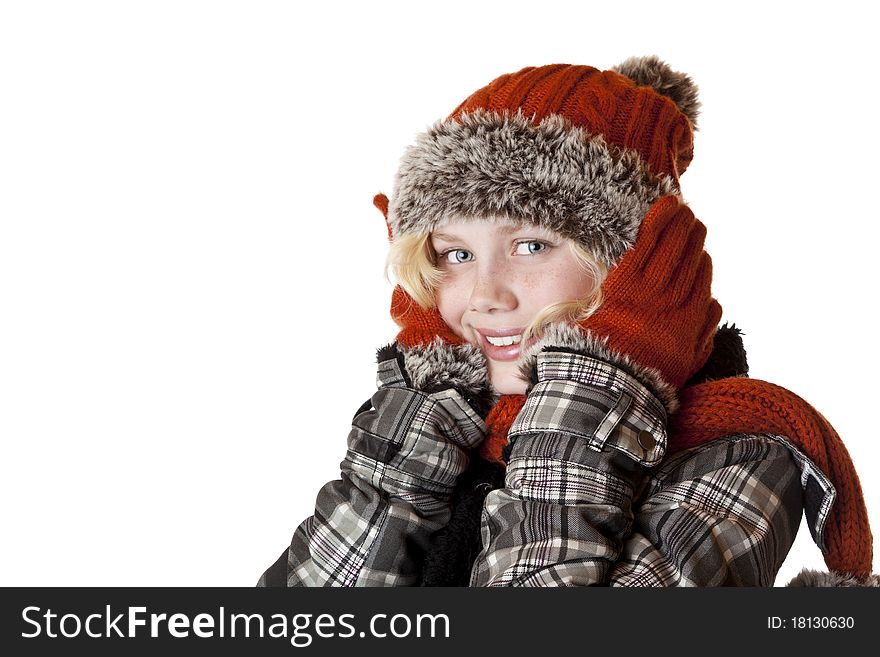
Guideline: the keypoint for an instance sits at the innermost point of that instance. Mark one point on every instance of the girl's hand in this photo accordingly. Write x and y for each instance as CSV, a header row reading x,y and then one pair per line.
x,y
657,306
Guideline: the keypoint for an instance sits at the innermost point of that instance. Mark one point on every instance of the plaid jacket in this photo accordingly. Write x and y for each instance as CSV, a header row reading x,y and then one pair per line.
x,y
587,497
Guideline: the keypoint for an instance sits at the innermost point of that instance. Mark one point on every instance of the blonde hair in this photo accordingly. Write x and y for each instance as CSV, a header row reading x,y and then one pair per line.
x,y
413,261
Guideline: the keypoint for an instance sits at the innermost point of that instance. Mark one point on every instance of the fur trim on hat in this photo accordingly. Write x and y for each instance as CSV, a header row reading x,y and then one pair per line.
x,y
651,71
556,175
808,577
562,336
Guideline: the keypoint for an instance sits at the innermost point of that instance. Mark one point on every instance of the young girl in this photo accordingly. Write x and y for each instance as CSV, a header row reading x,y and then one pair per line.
x,y
560,407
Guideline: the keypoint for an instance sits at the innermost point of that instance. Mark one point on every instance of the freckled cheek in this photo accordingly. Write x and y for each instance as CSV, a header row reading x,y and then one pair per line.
x,y
575,287
554,286
452,300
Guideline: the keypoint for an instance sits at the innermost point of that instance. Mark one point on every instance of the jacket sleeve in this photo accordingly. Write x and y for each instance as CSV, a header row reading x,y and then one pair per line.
x,y
406,447
724,514
577,455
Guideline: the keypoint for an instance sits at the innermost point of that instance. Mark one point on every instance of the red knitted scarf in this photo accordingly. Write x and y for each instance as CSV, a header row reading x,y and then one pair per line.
x,y
714,409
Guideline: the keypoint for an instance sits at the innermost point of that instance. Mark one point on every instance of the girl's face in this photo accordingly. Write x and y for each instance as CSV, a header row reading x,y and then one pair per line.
x,y
497,277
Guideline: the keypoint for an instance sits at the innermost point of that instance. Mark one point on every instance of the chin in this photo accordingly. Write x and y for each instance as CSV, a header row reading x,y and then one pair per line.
x,y
510,387
504,378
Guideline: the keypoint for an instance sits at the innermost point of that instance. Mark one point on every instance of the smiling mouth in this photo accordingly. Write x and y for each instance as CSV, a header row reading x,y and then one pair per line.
x,y
501,348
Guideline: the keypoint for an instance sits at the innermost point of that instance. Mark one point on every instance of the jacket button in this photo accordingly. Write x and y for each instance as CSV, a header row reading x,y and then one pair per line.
x,y
646,439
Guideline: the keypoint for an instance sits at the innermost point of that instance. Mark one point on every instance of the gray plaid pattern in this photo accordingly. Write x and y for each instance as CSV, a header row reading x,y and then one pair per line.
x,y
572,513
579,506
571,472
371,527
583,396
722,514
556,521
415,438
819,493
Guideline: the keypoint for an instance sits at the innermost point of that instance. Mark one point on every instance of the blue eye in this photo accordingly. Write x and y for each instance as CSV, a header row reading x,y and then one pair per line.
x,y
534,247
454,252
531,251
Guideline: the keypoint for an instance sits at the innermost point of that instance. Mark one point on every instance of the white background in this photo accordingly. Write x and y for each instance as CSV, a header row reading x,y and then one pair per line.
x,y
191,289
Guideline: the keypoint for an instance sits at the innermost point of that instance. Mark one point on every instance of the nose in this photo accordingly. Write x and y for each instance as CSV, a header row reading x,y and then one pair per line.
x,y
492,291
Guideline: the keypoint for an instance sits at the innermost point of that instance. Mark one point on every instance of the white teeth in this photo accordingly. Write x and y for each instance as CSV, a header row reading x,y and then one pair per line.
x,y
503,342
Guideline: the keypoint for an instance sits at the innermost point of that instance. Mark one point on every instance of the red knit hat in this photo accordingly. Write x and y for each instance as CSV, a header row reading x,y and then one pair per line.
x,y
571,148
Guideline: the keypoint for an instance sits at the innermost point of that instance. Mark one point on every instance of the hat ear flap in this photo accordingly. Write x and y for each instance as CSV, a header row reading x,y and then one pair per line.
x,y
381,202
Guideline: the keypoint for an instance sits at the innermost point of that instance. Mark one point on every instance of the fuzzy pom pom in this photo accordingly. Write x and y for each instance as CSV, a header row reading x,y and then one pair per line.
x,y
651,71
